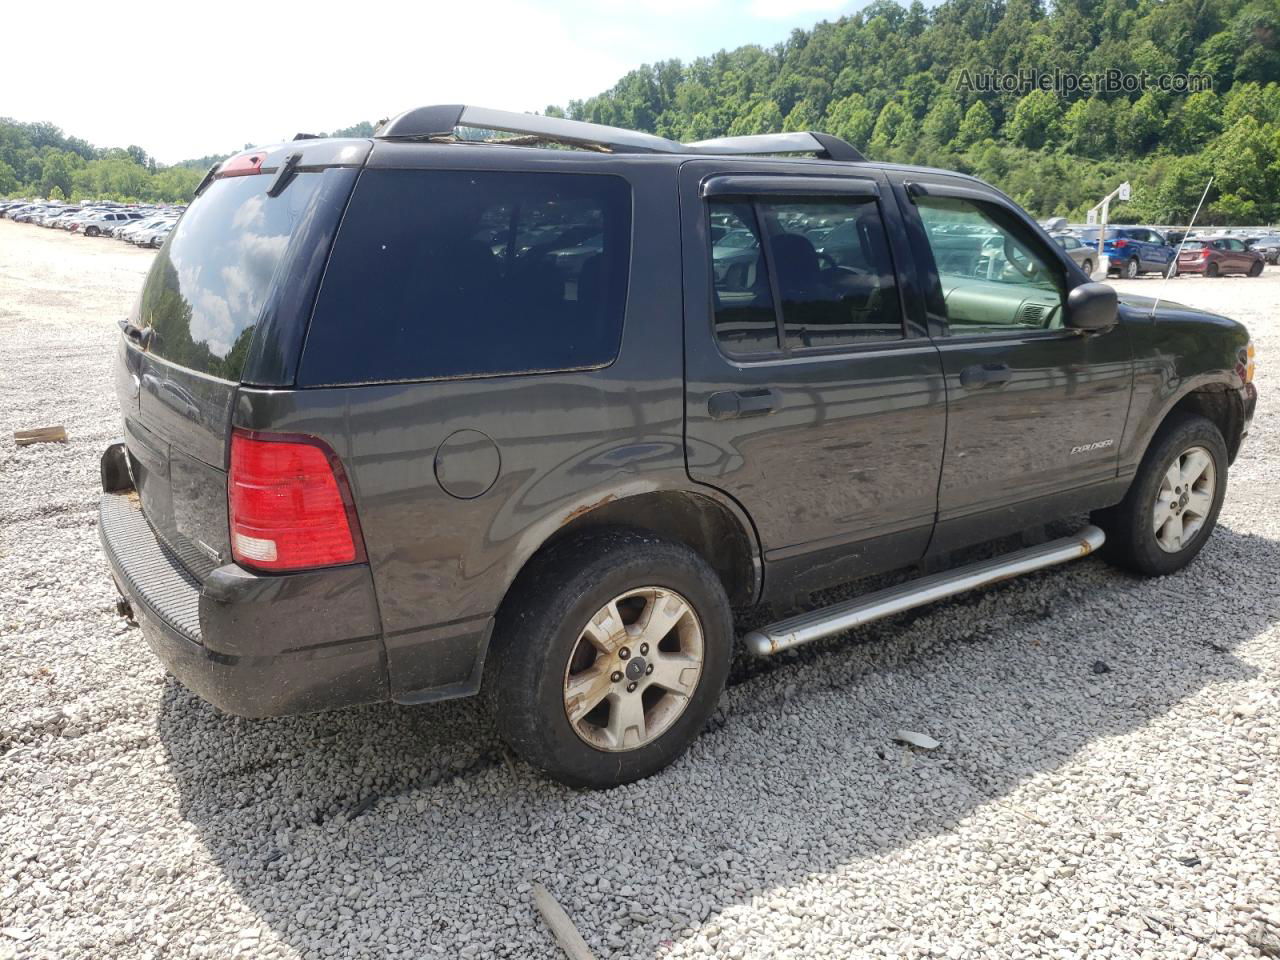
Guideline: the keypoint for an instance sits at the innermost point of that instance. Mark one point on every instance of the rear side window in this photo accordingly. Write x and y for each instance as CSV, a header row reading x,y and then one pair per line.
x,y
207,286
444,273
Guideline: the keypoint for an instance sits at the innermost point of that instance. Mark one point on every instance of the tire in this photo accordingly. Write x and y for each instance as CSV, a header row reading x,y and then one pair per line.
x,y
1131,269
91,232
541,638
1173,268
1211,270
1087,267
1133,540
1256,269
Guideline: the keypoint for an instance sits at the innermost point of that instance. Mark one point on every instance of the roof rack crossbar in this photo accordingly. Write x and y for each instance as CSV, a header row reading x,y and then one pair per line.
x,y
442,121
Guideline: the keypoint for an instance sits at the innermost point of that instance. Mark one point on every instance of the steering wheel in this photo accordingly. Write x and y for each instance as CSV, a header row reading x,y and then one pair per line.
x,y
1012,255
828,261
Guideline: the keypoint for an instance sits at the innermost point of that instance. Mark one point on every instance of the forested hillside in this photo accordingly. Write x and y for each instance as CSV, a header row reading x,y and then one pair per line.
x,y
38,159
892,80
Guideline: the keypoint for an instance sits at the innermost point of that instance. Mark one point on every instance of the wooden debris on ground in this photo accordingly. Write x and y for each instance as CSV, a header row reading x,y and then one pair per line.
x,y
56,434
561,926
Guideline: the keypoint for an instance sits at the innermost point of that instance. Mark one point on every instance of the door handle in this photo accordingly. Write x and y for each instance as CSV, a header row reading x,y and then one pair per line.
x,y
734,404
985,374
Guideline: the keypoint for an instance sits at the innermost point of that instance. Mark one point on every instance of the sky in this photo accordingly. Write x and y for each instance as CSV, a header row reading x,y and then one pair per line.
x,y
183,79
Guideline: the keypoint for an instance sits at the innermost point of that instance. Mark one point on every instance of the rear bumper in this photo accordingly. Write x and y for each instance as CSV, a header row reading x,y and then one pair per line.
x,y
252,645
1192,266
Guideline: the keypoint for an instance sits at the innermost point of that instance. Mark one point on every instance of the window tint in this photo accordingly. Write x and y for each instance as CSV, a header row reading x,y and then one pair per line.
x,y
992,279
441,273
207,286
745,319
833,275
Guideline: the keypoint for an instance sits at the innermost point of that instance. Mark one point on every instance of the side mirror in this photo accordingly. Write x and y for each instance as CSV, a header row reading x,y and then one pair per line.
x,y
1092,307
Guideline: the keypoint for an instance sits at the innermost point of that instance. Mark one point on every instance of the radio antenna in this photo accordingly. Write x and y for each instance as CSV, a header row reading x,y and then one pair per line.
x,y
1178,253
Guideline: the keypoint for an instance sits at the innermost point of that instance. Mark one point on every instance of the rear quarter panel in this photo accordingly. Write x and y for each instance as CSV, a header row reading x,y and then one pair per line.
x,y
566,442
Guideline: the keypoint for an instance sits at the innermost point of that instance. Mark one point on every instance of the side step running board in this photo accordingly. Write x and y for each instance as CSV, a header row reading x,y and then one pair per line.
x,y
840,617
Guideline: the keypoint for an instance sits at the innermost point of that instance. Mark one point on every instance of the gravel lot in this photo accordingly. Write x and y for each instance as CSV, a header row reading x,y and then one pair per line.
x,y
1073,809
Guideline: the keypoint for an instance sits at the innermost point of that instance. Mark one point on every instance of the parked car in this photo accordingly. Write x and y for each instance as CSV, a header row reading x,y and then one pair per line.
x,y
100,223
1076,249
367,457
153,236
1132,251
1213,256
1269,246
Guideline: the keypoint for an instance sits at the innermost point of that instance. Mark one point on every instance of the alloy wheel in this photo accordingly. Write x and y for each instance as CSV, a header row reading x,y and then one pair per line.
x,y
1185,499
633,669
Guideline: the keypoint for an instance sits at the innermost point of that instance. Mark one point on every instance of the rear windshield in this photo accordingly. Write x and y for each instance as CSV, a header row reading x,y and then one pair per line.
x,y
207,286
446,273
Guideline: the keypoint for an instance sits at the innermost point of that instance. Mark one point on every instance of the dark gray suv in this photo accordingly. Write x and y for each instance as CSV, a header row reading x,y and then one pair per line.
x,y
411,418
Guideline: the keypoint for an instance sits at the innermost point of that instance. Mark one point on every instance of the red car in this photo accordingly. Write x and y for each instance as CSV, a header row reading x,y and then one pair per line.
x,y
1213,256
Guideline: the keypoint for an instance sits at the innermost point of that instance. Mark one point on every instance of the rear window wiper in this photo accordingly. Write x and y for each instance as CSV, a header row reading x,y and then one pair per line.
x,y
208,178
284,176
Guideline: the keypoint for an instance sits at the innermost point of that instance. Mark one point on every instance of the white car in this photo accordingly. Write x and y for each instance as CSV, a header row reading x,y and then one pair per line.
x,y
155,236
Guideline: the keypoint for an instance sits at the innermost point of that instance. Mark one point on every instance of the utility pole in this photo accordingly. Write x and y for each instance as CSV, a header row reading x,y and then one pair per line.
x,y
1103,209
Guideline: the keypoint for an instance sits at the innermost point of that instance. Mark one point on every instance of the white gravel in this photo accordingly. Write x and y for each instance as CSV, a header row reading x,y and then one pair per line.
x,y
1070,811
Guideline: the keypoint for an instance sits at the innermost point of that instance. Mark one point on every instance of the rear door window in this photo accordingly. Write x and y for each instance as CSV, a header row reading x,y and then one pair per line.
x,y
793,275
444,273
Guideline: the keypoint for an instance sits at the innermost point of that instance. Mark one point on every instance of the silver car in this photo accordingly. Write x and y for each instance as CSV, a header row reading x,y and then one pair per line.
x,y
1084,255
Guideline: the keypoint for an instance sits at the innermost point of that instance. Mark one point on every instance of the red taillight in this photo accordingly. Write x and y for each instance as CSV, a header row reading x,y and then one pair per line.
x,y
290,506
1121,243
1204,254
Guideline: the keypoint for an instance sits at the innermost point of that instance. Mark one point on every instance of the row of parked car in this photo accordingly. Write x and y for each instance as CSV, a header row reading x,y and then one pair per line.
x,y
146,226
1130,251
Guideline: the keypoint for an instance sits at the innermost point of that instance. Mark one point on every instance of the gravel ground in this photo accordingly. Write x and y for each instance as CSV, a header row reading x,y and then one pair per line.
x,y
1128,809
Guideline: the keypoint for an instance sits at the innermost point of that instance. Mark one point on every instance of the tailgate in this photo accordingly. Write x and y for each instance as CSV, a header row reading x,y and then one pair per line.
x,y
226,300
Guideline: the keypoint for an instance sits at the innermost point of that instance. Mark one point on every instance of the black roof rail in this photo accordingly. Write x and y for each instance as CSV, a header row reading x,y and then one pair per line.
x,y
441,122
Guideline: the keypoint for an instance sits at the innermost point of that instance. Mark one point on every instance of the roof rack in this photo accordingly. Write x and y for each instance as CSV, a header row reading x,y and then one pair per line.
x,y
441,122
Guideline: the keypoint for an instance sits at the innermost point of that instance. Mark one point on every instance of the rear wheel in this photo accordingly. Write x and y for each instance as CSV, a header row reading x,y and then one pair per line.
x,y
1131,269
1256,269
1172,505
1211,270
609,658
91,232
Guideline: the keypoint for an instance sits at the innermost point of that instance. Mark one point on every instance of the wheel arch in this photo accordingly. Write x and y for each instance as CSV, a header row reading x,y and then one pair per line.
x,y
1218,404
716,531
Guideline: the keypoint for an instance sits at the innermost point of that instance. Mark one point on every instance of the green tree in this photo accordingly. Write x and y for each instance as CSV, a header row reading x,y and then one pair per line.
x,y
803,116
1037,120
851,119
942,123
54,174
977,125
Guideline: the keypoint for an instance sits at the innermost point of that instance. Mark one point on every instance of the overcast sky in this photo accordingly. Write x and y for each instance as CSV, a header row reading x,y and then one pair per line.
x,y
184,79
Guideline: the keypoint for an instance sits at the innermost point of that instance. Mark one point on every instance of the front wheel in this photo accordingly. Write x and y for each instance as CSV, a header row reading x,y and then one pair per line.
x,y
1087,267
1173,269
1173,503
91,232
1256,268
609,657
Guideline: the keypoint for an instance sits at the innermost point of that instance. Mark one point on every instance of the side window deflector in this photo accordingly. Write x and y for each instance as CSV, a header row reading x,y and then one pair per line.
x,y
749,185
